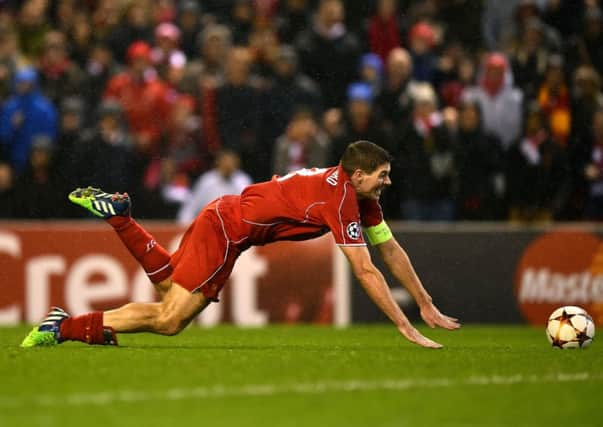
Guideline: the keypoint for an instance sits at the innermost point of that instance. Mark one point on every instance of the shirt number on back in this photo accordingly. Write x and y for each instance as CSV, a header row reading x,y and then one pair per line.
x,y
302,172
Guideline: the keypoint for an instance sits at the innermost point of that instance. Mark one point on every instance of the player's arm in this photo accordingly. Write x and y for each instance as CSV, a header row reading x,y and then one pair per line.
x,y
375,286
398,262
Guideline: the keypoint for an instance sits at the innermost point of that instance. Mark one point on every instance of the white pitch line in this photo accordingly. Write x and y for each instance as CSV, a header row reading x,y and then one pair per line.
x,y
175,394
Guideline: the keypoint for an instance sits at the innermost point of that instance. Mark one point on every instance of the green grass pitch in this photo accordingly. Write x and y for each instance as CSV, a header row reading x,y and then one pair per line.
x,y
303,376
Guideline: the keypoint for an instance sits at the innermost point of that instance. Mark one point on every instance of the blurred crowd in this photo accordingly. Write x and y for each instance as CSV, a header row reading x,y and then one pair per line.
x,y
493,110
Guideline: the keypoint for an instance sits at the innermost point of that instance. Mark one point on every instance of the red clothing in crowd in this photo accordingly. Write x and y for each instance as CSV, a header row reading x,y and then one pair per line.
x,y
556,106
383,36
146,103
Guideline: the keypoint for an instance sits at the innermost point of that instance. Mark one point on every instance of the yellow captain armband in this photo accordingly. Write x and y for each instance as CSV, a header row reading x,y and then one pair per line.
x,y
379,233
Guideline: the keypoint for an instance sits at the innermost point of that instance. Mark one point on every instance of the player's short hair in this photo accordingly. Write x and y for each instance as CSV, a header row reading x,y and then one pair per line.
x,y
364,155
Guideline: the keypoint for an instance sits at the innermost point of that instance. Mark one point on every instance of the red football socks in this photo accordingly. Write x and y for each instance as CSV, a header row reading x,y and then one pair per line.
x,y
155,260
87,328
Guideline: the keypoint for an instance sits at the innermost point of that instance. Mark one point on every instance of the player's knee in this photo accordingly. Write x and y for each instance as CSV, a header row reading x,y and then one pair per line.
x,y
170,323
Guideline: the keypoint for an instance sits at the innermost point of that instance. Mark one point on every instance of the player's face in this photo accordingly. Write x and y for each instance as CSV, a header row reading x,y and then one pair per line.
x,y
369,186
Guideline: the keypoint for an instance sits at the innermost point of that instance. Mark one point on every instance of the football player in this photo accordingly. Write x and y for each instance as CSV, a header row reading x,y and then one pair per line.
x,y
343,200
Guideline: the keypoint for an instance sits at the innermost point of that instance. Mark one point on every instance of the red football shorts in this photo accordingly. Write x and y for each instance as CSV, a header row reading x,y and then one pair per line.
x,y
206,255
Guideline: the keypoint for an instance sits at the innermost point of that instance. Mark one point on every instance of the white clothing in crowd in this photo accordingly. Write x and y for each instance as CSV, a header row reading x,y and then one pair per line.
x,y
209,186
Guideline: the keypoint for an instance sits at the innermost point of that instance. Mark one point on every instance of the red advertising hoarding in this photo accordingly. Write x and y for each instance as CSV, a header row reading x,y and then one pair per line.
x,y
83,266
563,267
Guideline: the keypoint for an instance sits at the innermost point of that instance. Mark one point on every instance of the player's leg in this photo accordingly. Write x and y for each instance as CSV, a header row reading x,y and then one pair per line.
x,y
115,209
168,317
183,298
186,293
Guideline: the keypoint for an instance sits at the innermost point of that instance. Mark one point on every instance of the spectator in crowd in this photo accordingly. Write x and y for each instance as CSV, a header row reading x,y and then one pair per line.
x,y
461,78
63,14
100,67
203,76
537,172
241,22
288,90
8,196
163,11
479,160
169,188
166,52
25,116
214,43
189,23
591,166
135,26
384,29
459,20
498,23
359,121
328,52
530,58
565,16
81,38
593,38
143,97
394,99
71,126
265,13
501,104
332,123
587,98
182,140
108,143
528,12
302,145
106,18
421,42
425,156
264,47
239,114
10,60
174,74
555,101
292,19
32,27
42,179
59,76
225,178
371,71
356,14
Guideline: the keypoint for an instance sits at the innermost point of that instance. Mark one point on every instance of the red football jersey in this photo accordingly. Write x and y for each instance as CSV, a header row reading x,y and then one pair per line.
x,y
305,204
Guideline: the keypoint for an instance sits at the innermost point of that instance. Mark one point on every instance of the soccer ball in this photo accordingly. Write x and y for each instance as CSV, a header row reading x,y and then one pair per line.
x,y
570,327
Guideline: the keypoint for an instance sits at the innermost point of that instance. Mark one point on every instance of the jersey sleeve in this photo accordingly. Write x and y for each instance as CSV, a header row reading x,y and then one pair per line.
x,y
370,212
342,216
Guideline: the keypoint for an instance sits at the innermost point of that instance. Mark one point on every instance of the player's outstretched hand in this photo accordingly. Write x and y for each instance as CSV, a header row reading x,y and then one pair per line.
x,y
415,336
432,316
